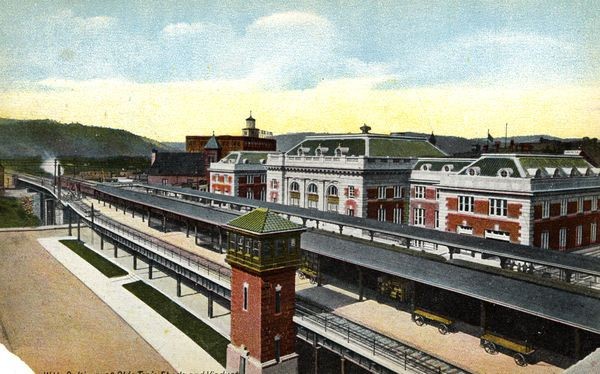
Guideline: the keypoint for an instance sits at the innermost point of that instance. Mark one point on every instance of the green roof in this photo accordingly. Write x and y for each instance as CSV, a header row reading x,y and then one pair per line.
x,y
437,165
553,162
356,146
490,165
252,157
212,143
379,146
263,221
390,147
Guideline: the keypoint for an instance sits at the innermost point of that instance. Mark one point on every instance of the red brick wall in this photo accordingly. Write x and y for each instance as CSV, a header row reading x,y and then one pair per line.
x,y
481,206
480,224
373,208
452,203
257,327
430,208
554,224
514,210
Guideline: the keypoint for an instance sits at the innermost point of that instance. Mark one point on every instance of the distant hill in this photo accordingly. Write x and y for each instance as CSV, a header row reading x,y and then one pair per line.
x,y
47,138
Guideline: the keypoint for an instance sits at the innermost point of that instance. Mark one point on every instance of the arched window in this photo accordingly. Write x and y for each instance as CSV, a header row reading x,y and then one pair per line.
x,y
332,190
294,186
312,188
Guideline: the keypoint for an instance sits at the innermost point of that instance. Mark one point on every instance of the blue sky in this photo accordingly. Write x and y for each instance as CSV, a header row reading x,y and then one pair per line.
x,y
296,45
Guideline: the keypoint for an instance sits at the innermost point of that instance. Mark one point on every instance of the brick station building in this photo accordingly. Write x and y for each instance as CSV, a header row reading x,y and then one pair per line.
x,y
363,175
547,201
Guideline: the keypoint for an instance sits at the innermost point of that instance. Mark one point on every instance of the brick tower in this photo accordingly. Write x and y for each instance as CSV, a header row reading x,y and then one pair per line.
x,y
264,253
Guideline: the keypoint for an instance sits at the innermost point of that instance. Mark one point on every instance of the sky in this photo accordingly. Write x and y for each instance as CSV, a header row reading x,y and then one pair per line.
x,y
166,69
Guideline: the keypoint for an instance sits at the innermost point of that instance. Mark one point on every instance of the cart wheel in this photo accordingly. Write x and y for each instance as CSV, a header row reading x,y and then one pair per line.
x,y
489,347
443,329
419,320
520,359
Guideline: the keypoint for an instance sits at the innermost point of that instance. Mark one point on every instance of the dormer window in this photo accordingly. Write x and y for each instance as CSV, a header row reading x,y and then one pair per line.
x,y
505,172
448,168
473,171
426,167
338,152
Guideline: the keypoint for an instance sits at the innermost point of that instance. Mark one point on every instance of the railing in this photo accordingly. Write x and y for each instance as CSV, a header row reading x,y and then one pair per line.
x,y
379,345
159,246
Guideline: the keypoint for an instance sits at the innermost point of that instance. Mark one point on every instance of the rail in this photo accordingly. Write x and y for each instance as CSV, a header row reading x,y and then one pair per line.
x,y
400,354
159,246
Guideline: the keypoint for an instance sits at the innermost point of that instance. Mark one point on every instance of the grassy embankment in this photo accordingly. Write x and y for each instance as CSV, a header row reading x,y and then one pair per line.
x,y
207,338
12,214
106,267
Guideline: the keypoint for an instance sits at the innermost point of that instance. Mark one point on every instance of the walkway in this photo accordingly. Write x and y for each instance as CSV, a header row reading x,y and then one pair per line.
x,y
55,323
178,349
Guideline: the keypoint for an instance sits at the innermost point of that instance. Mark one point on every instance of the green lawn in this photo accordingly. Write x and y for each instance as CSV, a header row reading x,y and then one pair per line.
x,y
207,338
12,214
106,267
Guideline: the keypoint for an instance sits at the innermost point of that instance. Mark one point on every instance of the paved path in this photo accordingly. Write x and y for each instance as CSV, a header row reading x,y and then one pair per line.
x,y
55,323
176,347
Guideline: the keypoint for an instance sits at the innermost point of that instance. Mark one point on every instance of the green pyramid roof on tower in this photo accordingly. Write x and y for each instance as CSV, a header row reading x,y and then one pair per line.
x,y
212,143
263,221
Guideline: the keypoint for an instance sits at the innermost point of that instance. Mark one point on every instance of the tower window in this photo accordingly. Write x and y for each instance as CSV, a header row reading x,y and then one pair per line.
x,y
278,299
277,348
245,297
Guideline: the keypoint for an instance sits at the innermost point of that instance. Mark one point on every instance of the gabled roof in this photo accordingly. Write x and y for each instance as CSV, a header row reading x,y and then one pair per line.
x,y
369,145
212,143
178,163
263,221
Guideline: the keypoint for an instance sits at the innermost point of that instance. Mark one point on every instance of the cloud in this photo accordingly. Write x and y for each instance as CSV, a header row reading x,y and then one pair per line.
x,y
290,19
512,39
181,29
97,23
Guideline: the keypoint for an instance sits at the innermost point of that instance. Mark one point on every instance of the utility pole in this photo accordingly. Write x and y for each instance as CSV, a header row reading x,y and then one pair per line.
x,y
55,165
506,135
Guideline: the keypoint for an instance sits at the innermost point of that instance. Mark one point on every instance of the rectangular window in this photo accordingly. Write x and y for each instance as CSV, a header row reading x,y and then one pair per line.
x,y
465,203
263,194
381,192
562,238
350,191
331,207
165,181
498,207
593,232
544,239
545,209
419,217
437,193
263,178
580,205
277,301
294,201
381,213
594,203
437,219
245,297
350,212
313,204
249,194
419,192
579,235
397,215
277,349
563,207
397,192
